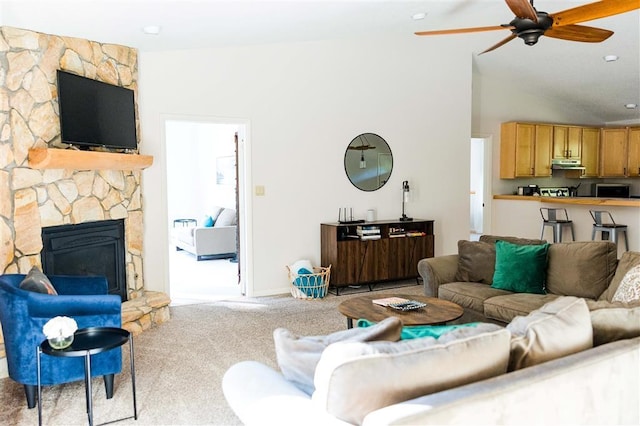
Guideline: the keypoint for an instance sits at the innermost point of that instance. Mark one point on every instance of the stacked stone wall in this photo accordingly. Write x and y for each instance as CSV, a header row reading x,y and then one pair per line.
x,y
31,199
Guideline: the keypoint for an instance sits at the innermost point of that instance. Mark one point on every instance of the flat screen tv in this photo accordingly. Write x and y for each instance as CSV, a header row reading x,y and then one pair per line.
x,y
93,113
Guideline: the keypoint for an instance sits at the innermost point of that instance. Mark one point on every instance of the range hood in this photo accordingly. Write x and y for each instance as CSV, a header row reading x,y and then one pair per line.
x,y
566,164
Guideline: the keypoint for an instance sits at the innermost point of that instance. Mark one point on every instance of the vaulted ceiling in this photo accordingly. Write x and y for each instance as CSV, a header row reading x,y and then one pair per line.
x,y
572,70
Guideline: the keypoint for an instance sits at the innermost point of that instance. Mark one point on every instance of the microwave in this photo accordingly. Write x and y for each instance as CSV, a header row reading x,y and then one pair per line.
x,y
611,190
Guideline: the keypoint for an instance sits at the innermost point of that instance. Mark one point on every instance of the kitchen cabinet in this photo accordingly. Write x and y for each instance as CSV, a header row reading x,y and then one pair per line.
x,y
633,164
590,152
567,142
525,150
614,159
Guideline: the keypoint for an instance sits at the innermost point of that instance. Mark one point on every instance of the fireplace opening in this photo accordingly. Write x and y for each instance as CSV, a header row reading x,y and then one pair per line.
x,y
87,249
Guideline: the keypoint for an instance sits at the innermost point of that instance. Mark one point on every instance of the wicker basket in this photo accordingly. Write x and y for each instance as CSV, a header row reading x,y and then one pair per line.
x,y
310,286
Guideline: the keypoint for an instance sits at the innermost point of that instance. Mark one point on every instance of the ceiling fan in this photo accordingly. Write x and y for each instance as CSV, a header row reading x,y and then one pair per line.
x,y
529,24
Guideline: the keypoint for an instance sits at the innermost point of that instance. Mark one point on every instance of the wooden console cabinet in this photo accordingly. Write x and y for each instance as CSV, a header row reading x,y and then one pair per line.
x,y
356,261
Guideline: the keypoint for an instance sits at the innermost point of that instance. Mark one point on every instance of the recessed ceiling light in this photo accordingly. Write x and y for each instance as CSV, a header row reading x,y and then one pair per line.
x,y
418,16
610,58
151,29
631,106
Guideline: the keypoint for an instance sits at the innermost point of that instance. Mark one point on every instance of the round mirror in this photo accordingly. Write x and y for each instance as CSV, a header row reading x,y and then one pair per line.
x,y
368,162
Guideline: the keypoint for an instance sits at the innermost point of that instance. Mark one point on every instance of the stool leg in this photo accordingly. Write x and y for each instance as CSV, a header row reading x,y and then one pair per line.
x,y
593,233
614,237
573,238
557,233
542,231
626,241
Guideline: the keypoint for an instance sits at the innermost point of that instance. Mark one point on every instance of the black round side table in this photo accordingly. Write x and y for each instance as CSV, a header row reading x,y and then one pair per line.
x,y
87,342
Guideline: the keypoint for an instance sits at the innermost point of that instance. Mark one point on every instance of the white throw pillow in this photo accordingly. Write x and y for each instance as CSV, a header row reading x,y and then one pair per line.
x,y
629,289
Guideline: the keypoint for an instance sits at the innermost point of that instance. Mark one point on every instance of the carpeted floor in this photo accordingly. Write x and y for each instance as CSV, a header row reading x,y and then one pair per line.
x,y
180,364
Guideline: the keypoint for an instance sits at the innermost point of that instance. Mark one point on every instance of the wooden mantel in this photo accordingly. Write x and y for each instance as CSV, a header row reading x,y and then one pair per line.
x,y
51,158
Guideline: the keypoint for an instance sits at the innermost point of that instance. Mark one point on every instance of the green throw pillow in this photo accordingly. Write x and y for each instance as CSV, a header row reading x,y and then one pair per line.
x,y
520,268
418,331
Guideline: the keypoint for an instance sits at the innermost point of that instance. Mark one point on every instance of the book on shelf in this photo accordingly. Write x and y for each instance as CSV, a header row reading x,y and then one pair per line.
x,y
370,237
368,231
389,300
416,234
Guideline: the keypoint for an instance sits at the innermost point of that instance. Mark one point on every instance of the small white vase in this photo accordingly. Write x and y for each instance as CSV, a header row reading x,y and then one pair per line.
x,y
61,342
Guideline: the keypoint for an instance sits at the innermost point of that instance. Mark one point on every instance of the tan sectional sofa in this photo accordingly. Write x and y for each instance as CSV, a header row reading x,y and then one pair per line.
x,y
538,369
588,270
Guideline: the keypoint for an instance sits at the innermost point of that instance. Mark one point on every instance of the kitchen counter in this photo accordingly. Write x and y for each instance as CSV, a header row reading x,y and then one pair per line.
x,y
585,201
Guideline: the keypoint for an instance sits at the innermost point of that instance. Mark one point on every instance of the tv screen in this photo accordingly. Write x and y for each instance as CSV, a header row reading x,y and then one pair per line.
x,y
93,113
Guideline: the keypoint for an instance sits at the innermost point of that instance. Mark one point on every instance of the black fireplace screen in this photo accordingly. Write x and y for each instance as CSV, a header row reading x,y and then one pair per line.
x,y
90,248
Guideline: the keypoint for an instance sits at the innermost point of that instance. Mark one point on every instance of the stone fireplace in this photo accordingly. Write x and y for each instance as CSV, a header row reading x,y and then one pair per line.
x,y
87,249
67,193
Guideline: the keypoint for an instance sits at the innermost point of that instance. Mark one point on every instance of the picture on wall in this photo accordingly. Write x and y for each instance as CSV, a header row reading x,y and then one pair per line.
x,y
226,170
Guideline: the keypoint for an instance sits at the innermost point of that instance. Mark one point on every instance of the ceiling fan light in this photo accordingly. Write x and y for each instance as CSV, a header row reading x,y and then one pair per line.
x,y
530,37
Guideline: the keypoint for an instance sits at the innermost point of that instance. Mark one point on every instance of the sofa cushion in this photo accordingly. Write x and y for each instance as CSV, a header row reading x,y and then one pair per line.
x,y
520,268
227,217
612,321
506,308
469,295
37,281
629,288
559,328
582,268
208,222
628,260
353,379
476,261
298,356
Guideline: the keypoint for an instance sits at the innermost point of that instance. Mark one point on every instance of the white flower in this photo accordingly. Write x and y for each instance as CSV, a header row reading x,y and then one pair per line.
x,y
60,326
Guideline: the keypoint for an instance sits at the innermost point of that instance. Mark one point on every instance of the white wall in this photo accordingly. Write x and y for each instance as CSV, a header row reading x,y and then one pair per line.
x,y
304,103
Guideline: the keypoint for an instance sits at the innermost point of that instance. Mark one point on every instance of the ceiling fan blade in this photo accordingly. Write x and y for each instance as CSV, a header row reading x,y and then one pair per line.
x,y
579,33
464,30
522,9
591,11
502,43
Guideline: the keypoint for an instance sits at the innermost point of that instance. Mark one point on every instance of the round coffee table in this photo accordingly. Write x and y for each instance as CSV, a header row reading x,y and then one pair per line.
x,y
87,342
436,312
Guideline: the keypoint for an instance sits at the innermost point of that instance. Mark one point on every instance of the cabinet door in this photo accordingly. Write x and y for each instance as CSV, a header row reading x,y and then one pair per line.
x,y
574,142
373,264
613,153
542,150
633,167
560,134
525,140
590,151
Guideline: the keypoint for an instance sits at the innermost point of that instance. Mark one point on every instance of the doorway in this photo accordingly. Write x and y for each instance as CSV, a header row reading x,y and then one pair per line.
x,y
480,187
202,176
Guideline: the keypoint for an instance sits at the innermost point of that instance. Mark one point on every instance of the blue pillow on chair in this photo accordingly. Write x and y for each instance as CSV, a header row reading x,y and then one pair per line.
x,y
208,222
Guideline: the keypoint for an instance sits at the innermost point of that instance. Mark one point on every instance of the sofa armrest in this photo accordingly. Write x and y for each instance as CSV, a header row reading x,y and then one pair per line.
x,y
215,240
105,307
437,270
259,395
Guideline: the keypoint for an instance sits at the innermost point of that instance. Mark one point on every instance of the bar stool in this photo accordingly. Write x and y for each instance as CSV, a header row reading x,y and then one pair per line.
x,y
557,219
606,227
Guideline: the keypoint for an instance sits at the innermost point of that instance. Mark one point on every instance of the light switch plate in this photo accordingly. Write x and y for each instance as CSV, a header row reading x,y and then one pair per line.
x,y
259,190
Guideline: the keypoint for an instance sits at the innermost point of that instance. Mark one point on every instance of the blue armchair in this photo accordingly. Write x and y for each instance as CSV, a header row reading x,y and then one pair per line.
x,y
24,313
